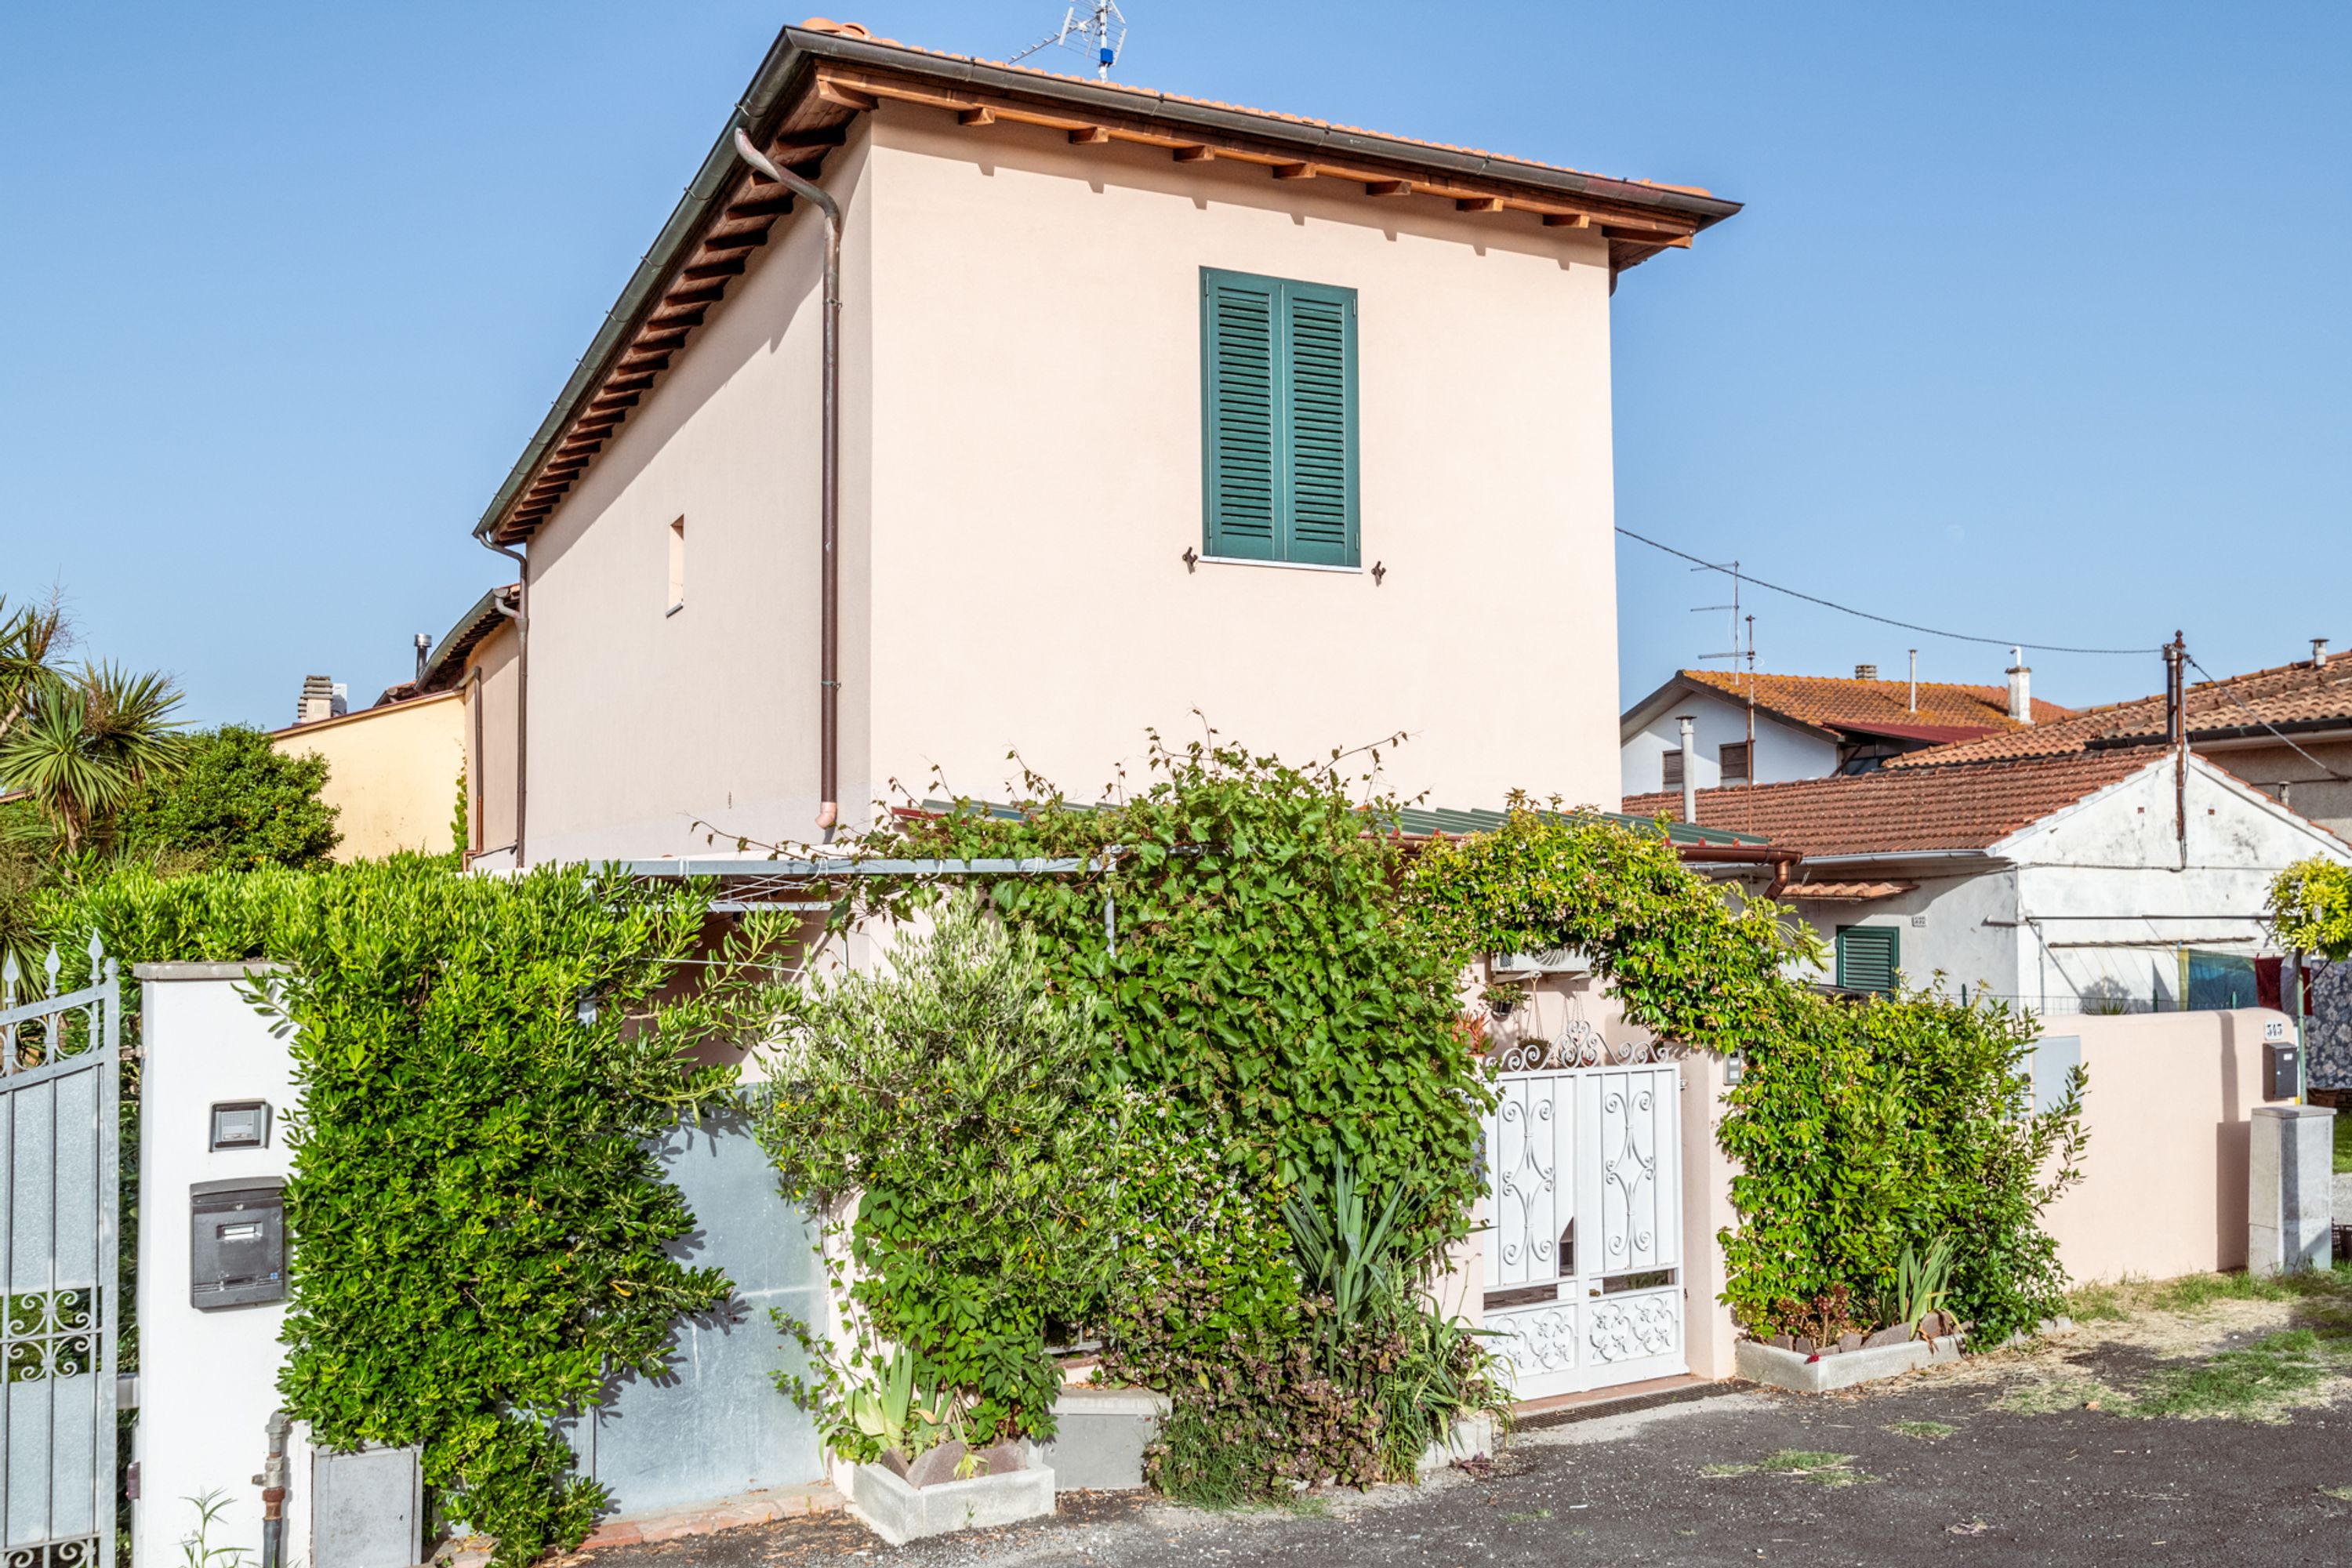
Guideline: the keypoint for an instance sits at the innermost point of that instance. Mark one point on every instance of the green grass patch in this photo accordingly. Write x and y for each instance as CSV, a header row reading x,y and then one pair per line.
x,y
2046,1397
2244,1384
2342,1143
2341,1494
2192,1291
1529,1518
2103,1303
1813,1465
1926,1431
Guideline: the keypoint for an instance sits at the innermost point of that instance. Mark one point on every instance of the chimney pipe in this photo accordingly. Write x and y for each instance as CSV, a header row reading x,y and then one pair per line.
x,y
1915,681
424,646
2319,653
1690,766
2021,688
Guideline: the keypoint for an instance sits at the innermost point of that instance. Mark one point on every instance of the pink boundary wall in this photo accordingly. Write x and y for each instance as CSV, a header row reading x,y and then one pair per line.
x,y
2165,1174
2164,1186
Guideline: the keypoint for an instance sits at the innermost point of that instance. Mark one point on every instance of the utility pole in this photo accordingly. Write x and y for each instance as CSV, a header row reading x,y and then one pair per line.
x,y
2175,714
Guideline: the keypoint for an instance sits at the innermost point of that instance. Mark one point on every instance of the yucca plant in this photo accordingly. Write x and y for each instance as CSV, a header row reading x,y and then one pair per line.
x,y
904,1419
1352,1254
1922,1285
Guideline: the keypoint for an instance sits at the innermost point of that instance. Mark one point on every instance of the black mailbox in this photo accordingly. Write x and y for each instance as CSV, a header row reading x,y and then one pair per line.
x,y
2281,1078
236,1243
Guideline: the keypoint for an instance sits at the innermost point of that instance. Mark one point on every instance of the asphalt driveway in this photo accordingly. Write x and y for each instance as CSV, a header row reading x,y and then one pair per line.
x,y
2163,1436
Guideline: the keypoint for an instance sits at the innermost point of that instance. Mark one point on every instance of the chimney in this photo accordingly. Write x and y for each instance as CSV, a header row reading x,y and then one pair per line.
x,y
316,702
2319,653
1866,672
1690,768
2021,688
1915,681
423,648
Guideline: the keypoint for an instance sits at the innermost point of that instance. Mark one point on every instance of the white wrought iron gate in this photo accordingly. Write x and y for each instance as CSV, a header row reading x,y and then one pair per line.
x,y
1584,1282
57,1244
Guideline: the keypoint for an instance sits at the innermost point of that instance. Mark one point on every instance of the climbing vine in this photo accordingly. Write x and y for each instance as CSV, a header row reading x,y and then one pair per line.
x,y
479,1229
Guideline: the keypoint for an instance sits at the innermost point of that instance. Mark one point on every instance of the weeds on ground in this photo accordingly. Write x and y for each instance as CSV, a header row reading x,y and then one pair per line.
x,y
2341,1494
1806,1464
1926,1431
2248,1383
1529,1518
2051,1396
2342,1143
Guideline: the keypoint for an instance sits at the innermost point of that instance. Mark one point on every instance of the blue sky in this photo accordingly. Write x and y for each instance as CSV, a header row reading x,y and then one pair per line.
x,y
2036,325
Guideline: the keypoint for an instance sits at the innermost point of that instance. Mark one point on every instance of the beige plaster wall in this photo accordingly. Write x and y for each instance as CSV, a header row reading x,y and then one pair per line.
x,y
643,722
392,772
2164,1187
1037,476
493,689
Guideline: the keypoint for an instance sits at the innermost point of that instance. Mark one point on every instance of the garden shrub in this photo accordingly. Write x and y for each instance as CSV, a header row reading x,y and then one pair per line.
x,y
1267,977
948,1093
2311,907
1863,1129
479,1226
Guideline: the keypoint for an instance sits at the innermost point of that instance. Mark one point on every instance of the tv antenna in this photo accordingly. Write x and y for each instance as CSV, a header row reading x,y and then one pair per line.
x,y
1099,31
1741,651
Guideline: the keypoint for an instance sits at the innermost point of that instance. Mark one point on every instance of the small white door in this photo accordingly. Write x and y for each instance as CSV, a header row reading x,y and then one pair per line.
x,y
1583,1286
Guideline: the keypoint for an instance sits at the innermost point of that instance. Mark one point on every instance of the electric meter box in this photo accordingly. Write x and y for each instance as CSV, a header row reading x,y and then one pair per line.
x,y
2282,1071
236,1243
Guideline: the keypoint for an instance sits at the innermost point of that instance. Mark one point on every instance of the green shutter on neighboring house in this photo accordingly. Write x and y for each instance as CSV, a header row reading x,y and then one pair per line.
x,y
1868,956
1279,418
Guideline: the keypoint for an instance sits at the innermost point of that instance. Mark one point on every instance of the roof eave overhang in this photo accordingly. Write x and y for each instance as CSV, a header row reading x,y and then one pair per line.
x,y
1655,217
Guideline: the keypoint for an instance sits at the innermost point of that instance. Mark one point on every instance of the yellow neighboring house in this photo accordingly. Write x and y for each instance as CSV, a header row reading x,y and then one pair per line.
x,y
392,772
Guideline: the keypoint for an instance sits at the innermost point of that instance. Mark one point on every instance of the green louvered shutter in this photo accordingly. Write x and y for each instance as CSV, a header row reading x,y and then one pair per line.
x,y
1319,335
1278,394
1868,956
1240,414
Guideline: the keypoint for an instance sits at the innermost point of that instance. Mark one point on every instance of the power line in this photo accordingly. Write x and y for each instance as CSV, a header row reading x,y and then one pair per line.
x,y
1883,620
2257,717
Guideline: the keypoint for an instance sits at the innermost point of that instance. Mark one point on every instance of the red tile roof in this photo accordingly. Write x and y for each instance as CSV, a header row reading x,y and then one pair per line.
x,y
1945,712
2306,694
1913,809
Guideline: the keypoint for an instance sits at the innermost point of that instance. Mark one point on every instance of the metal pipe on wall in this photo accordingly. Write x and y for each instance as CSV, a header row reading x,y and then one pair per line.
x,y
520,616
828,814
1687,725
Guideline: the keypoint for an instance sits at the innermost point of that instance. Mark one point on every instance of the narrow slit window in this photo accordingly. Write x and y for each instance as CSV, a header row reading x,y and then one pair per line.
x,y
1670,770
1735,762
677,566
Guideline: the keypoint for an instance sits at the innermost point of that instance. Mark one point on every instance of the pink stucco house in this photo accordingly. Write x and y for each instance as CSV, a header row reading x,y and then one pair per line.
x,y
1143,405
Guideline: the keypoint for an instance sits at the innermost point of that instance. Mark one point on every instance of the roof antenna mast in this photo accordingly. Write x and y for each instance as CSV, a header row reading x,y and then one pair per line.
x,y
1099,30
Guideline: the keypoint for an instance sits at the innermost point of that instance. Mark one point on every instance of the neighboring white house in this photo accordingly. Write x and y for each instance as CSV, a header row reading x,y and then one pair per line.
x,y
1146,406
1806,726
2080,883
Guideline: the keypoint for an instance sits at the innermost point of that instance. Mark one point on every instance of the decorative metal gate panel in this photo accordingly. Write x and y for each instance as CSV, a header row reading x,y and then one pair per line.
x,y
1583,1285
57,1244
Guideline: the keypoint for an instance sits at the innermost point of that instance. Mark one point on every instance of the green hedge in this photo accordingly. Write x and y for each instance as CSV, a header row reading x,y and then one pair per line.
x,y
480,1227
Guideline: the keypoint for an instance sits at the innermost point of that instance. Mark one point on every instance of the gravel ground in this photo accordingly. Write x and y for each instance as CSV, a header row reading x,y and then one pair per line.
x,y
2021,1458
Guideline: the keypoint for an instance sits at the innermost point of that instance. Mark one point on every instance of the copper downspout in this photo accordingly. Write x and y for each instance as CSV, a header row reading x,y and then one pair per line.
x,y
520,616
828,814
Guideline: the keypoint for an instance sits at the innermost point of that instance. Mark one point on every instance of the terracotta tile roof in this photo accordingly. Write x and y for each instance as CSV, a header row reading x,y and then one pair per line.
x,y
2289,695
1945,712
1847,892
1967,807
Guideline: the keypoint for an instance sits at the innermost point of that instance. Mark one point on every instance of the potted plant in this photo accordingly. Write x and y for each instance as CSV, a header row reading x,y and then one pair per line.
x,y
1501,999
917,1473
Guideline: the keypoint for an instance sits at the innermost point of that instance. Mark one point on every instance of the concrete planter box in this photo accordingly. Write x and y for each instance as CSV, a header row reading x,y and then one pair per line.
x,y
1099,1436
898,1512
1769,1364
1471,1436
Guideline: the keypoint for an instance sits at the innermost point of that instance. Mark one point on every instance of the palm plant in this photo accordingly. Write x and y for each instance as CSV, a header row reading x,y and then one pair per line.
x,y
79,746
28,637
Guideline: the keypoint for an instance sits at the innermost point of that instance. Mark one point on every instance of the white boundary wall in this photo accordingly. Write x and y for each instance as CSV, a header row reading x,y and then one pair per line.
x,y
207,1381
